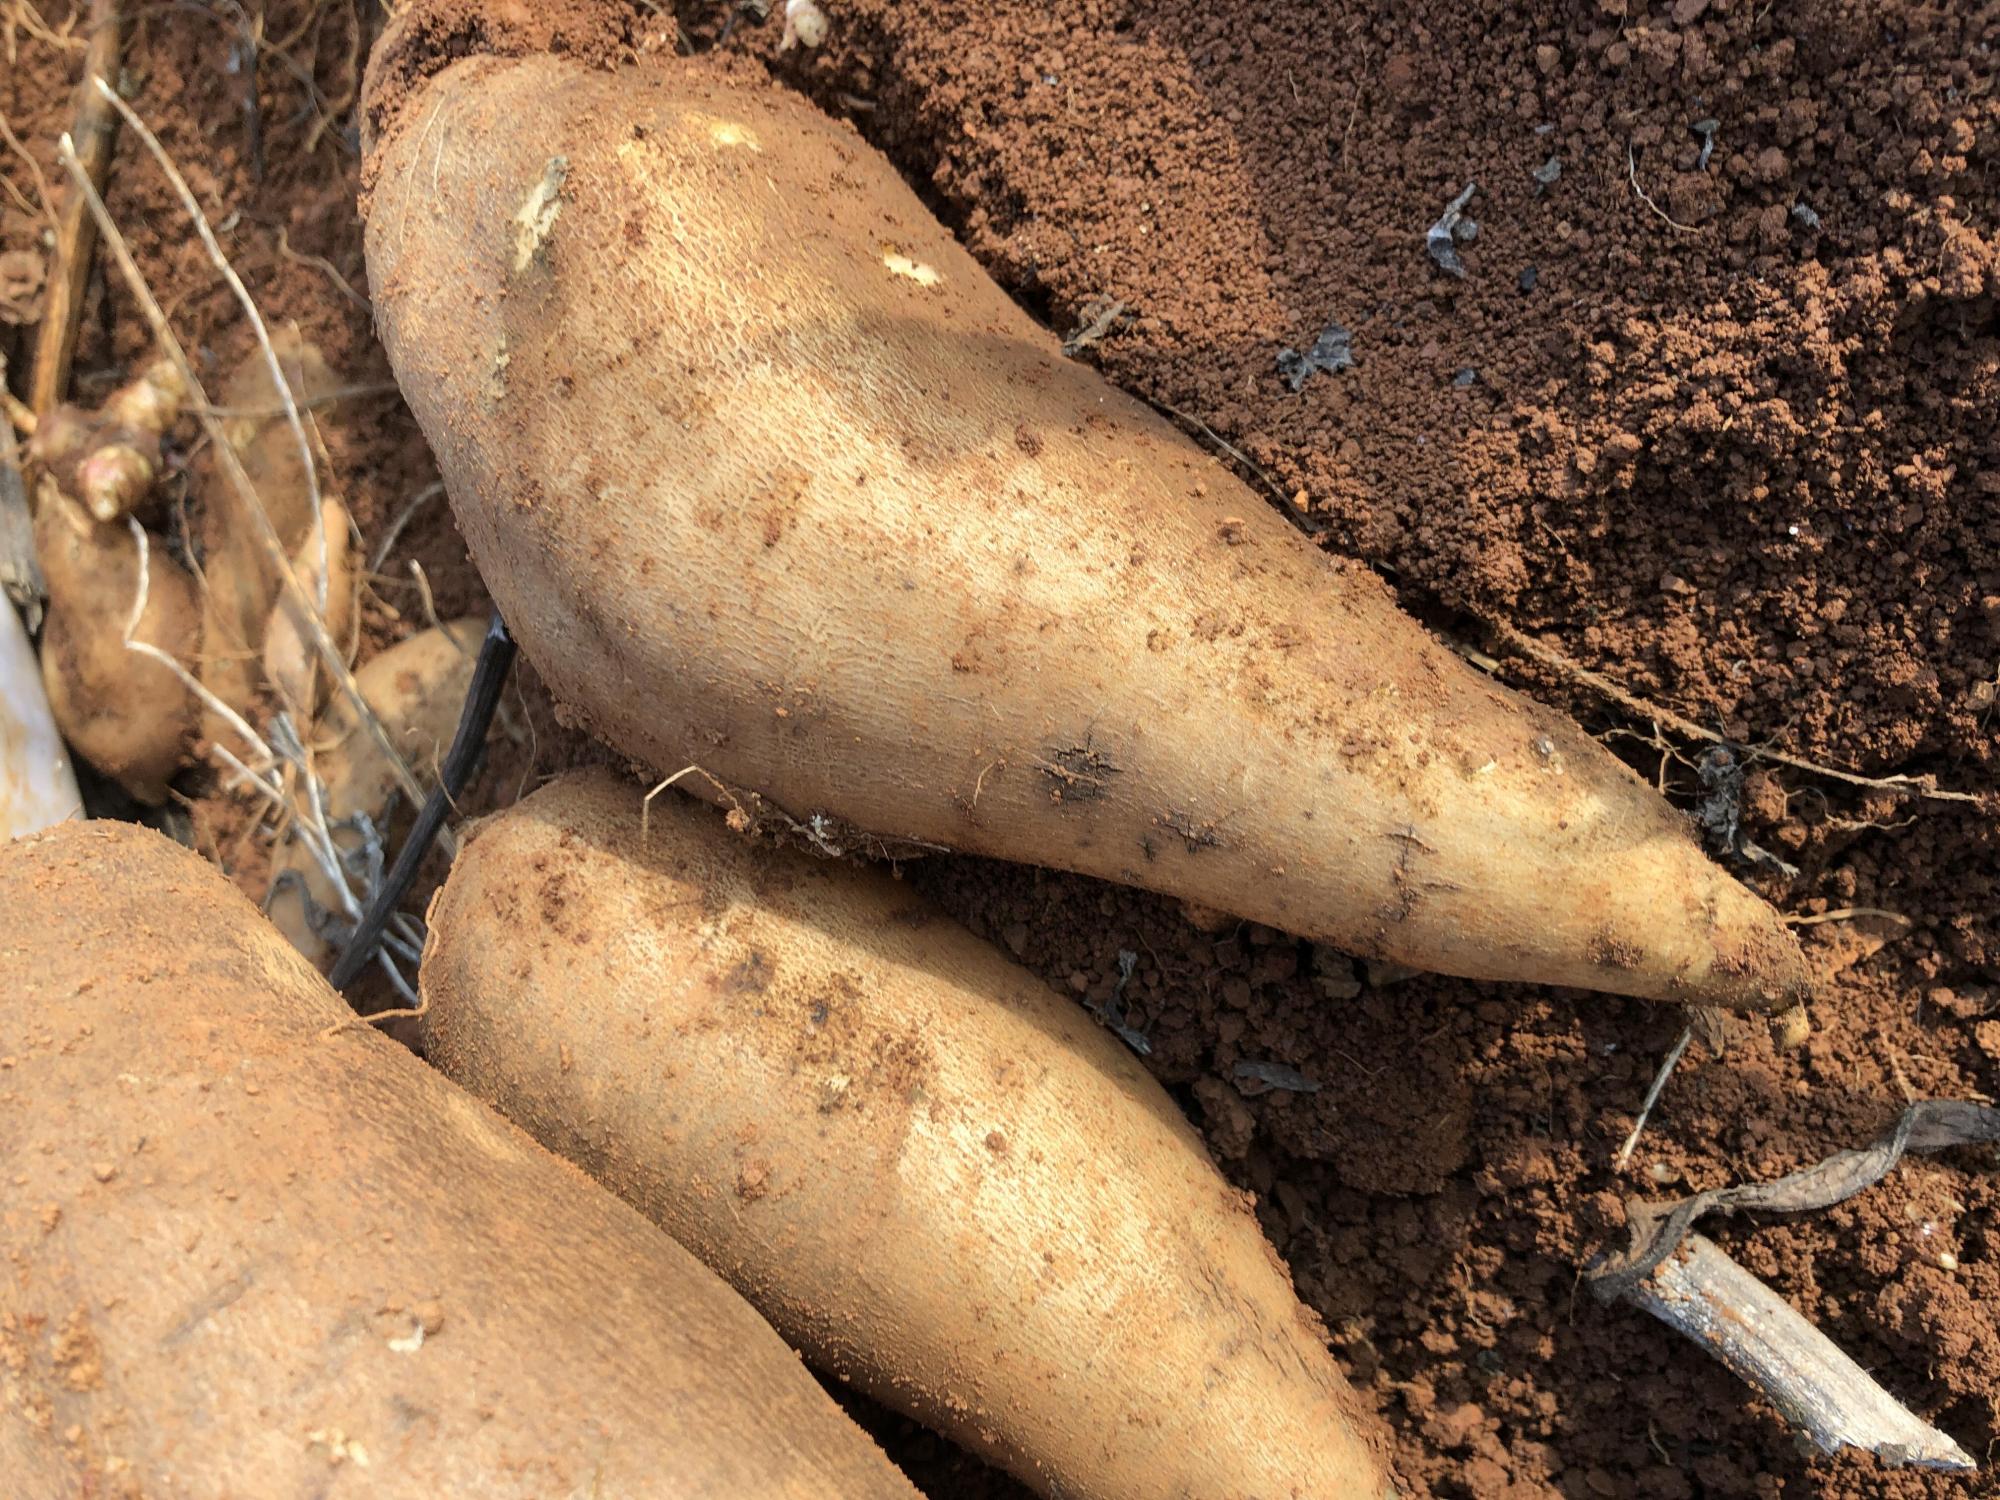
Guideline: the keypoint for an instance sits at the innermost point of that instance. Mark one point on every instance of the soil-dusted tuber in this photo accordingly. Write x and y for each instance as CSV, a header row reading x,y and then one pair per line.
x,y
126,712
941,1180
415,689
246,626
769,477
254,1249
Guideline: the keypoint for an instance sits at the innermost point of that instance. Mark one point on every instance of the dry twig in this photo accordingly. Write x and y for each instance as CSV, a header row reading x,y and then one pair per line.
x,y
1847,914
96,128
394,531
1924,787
1765,1340
1653,1096
1632,171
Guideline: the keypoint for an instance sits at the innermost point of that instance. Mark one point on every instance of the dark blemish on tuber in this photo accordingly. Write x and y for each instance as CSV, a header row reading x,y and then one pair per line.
x,y
1197,835
751,977
1076,773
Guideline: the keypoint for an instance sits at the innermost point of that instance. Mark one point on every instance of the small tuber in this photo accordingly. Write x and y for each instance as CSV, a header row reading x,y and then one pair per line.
x,y
416,689
126,712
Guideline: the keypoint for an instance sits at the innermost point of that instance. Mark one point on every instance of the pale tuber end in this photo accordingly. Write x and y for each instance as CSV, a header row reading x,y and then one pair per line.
x,y
152,402
113,478
805,24
325,565
1791,1029
108,459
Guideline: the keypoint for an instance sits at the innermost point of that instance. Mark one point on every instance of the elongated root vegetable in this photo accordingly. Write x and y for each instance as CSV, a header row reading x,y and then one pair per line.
x,y
326,569
242,610
249,1254
416,689
939,1179
768,476
127,713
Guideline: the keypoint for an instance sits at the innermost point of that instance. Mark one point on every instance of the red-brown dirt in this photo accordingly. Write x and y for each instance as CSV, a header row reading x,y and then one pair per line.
x,y
1727,440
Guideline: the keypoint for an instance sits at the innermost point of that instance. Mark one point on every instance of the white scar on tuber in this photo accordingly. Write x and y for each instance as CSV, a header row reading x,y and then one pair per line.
x,y
805,23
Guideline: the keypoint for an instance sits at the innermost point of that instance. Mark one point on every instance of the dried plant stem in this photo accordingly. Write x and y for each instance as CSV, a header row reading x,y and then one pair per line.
x,y
1906,786
281,385
1848,914
46,209
232,468
394,531
1632,171
93,136
1653,1096
1766,1341
318,840
310,821
646,802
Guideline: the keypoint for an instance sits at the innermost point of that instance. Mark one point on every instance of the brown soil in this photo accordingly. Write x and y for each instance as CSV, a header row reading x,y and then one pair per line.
x,y
1742,463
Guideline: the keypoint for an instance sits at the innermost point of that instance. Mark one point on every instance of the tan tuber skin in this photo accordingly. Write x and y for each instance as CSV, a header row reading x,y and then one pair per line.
x,y
240,602
251,1255
768,476
126,713
328,570
939,1179
416,689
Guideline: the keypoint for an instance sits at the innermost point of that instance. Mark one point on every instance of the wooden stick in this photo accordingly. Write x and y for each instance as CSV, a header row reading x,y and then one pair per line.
x,y
1653,1097
94,133
1548,656
1704,1294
